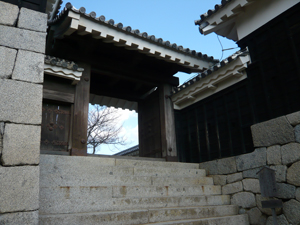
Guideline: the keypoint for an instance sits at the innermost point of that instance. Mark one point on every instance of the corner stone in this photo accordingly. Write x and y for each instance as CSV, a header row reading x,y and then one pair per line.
x,y
19,188
20,102
32,20
291,210
232,188
244,200
252,160
219,179
31,218
16,147
7,60
29,67
293,174
8,13
272,132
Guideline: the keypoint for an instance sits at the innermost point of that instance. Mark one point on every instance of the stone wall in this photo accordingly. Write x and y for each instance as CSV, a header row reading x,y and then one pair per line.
x,y
22,48
277,145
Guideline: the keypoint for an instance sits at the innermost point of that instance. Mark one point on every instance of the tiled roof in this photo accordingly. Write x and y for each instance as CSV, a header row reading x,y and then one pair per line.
x,y
135,32
214,68
129,150
211,11
54,61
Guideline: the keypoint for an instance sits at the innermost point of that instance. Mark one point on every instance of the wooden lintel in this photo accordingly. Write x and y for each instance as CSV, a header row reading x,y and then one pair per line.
x,y
58,96
81,110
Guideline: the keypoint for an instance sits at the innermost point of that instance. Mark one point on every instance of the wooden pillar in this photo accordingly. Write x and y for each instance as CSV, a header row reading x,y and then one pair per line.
x,y
80,114
167,121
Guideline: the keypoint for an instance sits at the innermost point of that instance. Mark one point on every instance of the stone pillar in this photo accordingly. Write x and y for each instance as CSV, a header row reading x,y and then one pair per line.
x,y
22,48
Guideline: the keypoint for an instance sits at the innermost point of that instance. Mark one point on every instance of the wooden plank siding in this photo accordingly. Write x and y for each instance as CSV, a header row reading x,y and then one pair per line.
x,y
219,126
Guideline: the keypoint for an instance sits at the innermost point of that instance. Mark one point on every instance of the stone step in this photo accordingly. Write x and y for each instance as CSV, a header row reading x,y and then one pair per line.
x,y
160,191
91,199
140,163
130,217
168,172
225,220
75,178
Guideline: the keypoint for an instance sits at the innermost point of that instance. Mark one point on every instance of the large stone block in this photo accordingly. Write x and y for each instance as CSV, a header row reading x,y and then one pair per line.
x,y
2,127
274,155
20,218
243,199
20,102
32,20
251,185
19,188
291,210
7,60
29,67
280,173
252,160
272,132
219,179
290,153
232,188
297,133
22,39
294,118
285,191
281,220
293,174
251,173
21,144
234,177
298,194
219,166
8,13
256,217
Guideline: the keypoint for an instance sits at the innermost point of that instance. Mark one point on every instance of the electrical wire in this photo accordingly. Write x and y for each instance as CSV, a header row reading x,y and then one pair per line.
x,y
221,47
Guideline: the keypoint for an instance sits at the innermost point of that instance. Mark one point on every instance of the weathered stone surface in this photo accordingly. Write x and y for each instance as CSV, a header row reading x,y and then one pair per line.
x,y
281,220
7,60
20,218
280,173
232,188
8,13
272,132
298,194
219,179
274,155
251,185
20,102
219,166
259,198
256,217
294,118
252,160
21,144
290,153
297,133
2,127
251,173
291,210
234,177
29,67
22,39
293,174
19,188
244,199
32,20
285,191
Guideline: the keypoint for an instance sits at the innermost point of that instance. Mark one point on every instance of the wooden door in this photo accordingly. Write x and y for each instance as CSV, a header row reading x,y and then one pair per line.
x,y
150,127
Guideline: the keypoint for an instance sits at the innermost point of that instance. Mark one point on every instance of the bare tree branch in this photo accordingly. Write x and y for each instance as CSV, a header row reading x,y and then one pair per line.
x,y
103,127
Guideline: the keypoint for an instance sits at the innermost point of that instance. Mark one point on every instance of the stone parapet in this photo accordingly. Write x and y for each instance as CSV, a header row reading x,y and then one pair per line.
x,y
277,145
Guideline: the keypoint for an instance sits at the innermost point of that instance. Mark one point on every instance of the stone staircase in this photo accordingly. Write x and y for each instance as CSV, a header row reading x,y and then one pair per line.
x,y
92,190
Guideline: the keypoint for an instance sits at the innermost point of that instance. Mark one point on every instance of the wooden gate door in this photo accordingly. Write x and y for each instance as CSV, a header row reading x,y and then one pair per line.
x,y
150,127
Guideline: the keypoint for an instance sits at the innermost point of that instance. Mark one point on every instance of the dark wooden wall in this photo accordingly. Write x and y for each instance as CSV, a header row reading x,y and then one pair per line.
x,y
219,126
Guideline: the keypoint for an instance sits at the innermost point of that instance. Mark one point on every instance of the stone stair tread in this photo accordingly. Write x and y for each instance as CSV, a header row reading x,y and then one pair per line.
x,y
228,220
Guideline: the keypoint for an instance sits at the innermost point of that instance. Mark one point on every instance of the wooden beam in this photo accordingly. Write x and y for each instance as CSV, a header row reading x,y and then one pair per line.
x,y
81,110
167,121
58,96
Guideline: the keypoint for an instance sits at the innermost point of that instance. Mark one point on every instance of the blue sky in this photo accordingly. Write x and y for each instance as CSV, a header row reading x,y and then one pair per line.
x,y
171,20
